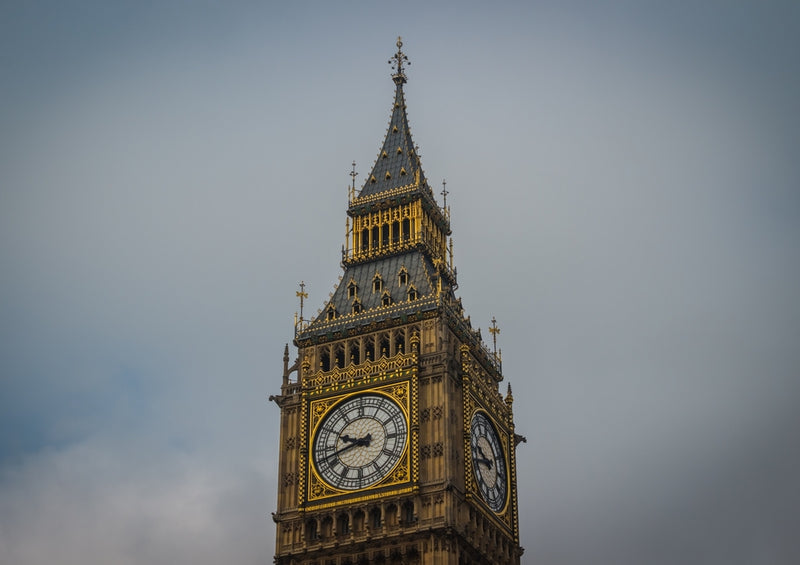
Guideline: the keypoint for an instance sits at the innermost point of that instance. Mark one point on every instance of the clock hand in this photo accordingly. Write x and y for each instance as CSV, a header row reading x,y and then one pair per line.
x,y
483,459
342,450
486,462
352,442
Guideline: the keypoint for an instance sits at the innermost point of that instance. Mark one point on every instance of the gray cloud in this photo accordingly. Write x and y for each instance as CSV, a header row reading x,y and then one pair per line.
x,y
624,198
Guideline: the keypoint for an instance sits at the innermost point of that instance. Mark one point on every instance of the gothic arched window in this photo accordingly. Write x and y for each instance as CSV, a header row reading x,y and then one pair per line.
x,y
352,289
331,313
402,276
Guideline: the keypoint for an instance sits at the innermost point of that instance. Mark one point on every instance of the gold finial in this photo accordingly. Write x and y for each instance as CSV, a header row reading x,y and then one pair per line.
x,y
347,236
353,174
451,253
302,294
397,61
494,330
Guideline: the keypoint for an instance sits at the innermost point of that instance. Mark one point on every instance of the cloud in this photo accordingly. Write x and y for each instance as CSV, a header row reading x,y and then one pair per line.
x,y
623,193
102,502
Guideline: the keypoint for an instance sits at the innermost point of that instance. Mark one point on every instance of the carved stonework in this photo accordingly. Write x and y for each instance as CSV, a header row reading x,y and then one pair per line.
x,y
392,354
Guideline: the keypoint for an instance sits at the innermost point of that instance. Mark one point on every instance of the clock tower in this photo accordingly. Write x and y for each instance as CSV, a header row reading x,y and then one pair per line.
x,y
397,445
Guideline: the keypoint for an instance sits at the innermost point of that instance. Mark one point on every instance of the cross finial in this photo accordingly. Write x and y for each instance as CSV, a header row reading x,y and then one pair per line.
x,y
444,193
353,175
302,294
397,61
494,330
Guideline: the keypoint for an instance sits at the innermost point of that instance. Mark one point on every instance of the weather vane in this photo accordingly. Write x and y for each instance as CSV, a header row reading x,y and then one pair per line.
x,y
444,193
397,61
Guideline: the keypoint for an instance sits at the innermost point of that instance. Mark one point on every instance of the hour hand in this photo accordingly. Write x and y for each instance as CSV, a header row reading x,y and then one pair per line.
x,y
483,459
486,462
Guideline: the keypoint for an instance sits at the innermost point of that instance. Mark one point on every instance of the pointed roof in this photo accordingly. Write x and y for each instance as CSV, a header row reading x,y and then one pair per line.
x,y
397,169
397,164
408,285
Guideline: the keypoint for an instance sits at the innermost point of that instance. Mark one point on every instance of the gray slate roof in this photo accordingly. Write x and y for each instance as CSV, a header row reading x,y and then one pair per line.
x,y
421,276
401,165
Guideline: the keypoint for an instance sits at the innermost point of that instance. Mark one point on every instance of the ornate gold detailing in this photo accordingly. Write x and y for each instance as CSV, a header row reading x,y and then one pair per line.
x,y
481,394
363,498
385,194
381,313
366,372
397,61
406,470
352,192
299,324
415,342
494,330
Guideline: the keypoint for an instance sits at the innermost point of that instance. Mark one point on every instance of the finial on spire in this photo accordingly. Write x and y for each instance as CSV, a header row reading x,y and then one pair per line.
x,y
444,193
353,174
301,294
494,330
397,61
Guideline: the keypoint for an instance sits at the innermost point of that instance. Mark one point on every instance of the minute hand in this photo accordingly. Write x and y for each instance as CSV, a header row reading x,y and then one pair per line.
x,y
355,442
342,450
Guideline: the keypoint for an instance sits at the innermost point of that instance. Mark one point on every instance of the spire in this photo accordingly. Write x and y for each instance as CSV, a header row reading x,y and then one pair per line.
x,y
398,165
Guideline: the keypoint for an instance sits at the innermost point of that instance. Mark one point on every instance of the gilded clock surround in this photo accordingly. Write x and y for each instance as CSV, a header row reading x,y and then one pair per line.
x,y
402,473
393,328
489,445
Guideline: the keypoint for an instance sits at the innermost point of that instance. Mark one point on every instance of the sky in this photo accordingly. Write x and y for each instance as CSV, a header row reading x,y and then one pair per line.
x,y
624,186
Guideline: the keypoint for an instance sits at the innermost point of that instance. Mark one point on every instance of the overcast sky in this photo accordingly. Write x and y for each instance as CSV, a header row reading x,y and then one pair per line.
x,y
625,191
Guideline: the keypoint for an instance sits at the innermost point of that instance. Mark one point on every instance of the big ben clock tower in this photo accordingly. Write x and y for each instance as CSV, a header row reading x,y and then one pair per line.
x,y
397,445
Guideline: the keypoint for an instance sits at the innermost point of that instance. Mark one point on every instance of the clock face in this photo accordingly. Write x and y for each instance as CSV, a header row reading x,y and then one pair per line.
x,y
359,441
488,462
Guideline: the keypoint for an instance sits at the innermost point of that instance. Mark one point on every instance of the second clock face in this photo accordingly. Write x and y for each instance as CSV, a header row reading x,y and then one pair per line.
x,y
488,462
359,441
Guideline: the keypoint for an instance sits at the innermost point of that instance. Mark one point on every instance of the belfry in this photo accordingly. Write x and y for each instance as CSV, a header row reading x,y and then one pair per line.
x,y
397,445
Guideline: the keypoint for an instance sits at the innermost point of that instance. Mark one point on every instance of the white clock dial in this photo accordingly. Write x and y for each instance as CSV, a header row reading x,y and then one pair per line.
x,y
359,441
488,462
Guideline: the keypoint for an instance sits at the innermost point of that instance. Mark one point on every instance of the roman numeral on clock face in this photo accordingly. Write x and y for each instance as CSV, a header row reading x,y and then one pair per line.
x,y
488,461
359,441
